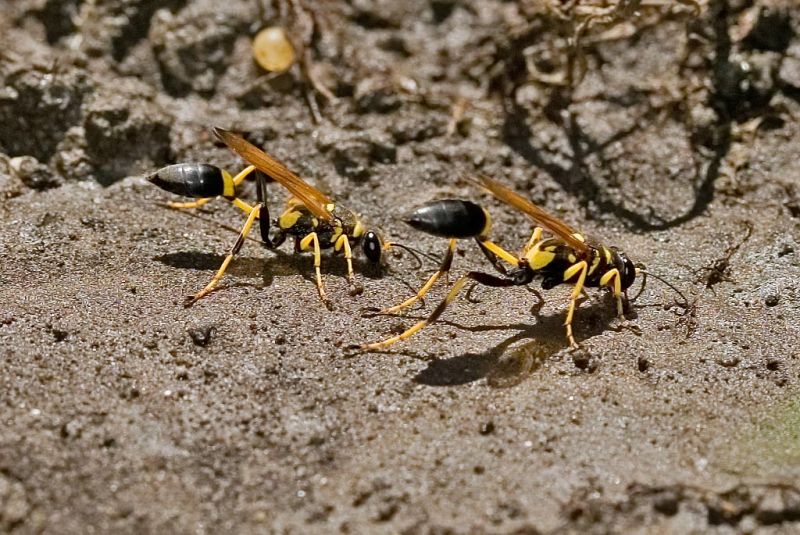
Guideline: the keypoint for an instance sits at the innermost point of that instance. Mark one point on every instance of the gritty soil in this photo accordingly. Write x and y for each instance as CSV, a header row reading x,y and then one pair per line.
x,y
675,139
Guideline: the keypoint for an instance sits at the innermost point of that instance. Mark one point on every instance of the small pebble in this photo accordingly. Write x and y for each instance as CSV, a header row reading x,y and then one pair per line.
x,y
201,336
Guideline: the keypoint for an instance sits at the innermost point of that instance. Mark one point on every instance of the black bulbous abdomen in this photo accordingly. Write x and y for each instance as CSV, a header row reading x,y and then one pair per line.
x,y
190,179
449,218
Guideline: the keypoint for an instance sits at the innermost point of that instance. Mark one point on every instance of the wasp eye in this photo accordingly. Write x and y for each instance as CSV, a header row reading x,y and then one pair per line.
x,y
372,247
628,272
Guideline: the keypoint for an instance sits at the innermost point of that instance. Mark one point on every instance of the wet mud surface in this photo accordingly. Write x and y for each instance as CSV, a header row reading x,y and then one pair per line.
x,y
676,139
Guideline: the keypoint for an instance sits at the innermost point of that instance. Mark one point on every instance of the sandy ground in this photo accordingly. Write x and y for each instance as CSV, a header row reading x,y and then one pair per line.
x,y
122,411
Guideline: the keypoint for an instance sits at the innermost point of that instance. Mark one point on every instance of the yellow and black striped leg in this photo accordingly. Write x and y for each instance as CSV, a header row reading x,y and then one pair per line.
x,y
305,243
494,253
613,280
580,269
444,268
235,249
477,276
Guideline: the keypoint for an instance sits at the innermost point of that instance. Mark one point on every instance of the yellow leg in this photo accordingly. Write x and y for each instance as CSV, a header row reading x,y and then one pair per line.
x,y
305,243
235,249
378,346
536,237
581,268
616,286
444,267
494,251
477,276
241,205
343,244
238,179
188,205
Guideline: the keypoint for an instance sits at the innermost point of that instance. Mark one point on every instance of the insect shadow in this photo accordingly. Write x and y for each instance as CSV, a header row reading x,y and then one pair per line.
x,y
503,365
277,263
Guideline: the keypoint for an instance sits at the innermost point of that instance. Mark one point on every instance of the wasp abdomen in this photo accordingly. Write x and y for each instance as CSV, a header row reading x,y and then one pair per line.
x,y
450,218
190,179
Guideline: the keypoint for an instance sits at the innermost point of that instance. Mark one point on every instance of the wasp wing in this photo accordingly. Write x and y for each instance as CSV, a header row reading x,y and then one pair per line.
x,y
550,222
313,199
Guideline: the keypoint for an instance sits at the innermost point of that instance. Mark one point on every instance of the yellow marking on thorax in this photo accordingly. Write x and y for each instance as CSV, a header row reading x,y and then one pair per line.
x,y
539,257
331,207
228,186
314,222
595,263
572,258
358,230
608,255
288,219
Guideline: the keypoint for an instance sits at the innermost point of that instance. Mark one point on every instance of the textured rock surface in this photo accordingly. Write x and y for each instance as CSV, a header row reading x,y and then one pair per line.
x,y
121,411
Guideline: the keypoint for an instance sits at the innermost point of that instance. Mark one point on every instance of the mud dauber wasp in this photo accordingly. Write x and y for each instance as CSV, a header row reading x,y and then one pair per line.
x,y
565,258
314,220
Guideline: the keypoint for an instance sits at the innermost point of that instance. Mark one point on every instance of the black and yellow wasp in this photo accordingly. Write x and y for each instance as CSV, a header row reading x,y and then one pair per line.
x,y
311,218
564,258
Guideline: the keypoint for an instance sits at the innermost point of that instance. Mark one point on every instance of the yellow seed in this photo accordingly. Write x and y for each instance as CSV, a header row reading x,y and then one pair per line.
x,y
272,49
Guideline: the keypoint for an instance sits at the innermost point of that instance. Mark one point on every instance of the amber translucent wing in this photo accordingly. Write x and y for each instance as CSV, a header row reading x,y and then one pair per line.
x,y
550,222
316,201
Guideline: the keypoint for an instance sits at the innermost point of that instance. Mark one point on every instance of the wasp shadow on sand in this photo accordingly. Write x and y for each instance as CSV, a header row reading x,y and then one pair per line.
x,y
510,362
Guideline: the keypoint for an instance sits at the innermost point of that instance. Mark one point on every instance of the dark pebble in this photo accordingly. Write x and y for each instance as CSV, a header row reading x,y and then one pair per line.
x,y
666,503
201,336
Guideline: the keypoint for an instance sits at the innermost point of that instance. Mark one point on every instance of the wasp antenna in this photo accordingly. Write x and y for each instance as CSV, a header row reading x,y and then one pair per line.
x,y
665,282
416,253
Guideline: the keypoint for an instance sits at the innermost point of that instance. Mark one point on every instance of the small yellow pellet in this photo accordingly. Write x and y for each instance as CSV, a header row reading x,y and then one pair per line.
x,y
273,50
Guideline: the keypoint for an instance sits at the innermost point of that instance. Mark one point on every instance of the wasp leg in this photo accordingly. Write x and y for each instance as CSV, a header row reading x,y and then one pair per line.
x,y
444,268
494,253
606,280
343,243
188,205
238,203
580,269
235,249
305,243
536,237
477,276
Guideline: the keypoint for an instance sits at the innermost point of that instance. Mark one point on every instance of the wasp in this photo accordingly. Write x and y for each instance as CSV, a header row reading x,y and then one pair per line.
x,y
564,258
311,218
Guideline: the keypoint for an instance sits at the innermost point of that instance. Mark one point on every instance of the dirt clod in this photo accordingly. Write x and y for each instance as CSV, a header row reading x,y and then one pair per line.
x,y
202,336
